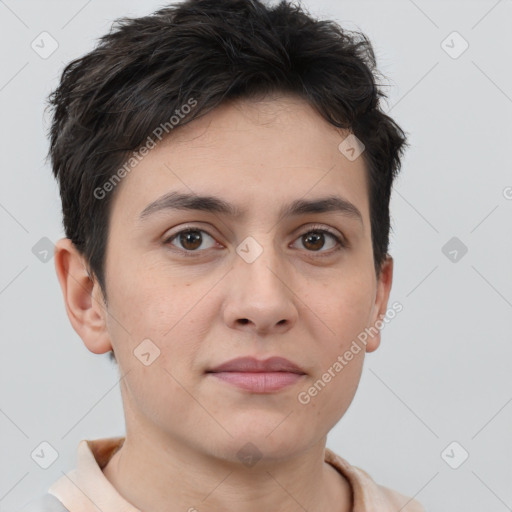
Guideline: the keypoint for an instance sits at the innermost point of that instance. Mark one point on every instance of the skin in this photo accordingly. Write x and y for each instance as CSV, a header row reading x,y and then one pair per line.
x,y
301,300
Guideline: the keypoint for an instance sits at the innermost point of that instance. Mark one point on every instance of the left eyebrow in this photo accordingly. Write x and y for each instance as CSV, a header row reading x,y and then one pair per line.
x,y
212,204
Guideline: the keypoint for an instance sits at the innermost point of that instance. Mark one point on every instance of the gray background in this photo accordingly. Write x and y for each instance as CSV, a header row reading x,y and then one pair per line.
x,y
442,373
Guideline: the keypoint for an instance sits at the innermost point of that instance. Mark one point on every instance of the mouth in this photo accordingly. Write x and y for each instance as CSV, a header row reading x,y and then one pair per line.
x,y
258,376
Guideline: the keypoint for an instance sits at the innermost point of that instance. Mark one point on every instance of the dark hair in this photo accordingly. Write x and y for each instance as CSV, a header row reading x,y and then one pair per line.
x,y
110,101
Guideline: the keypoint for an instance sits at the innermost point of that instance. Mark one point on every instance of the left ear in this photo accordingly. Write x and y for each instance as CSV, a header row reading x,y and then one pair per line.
x,y
381,302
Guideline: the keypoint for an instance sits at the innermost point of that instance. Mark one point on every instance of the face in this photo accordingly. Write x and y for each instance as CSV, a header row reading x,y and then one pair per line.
x,y
252,282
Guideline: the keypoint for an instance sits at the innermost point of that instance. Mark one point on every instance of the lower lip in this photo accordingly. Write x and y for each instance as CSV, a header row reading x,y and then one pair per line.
x,y
259,382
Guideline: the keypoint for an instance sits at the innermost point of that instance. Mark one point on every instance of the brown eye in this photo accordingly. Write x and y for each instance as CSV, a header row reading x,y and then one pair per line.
x,y
190,239
315,240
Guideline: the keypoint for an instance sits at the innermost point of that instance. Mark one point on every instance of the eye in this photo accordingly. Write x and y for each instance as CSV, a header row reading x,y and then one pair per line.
x,y
190,239
314,240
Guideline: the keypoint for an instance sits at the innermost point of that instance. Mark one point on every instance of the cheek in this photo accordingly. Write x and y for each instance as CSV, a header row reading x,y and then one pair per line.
x,y
330,392
143,296
343,386
344,309
176,318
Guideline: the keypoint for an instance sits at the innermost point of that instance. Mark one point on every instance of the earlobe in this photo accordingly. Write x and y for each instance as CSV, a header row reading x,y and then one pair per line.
x,y
381,303
82,297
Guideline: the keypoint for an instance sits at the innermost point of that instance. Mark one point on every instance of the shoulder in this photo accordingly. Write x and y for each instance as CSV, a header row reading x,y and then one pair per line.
x,y
368,495
45,503
394,499
400,501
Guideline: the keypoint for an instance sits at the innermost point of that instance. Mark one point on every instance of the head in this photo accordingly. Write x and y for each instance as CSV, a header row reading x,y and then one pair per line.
x,y
242,107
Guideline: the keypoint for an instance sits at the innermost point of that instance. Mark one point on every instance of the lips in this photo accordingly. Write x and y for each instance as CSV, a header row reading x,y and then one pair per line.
x,y
254,376
253,365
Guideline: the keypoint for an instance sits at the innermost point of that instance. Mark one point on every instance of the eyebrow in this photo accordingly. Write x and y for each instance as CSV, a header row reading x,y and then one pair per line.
x,y
212,204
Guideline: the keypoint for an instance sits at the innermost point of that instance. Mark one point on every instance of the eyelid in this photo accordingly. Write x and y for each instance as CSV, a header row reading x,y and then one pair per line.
x,y
184,228
323,227
337,235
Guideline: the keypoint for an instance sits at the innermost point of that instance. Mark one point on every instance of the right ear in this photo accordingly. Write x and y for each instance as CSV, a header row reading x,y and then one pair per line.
x,y
83,297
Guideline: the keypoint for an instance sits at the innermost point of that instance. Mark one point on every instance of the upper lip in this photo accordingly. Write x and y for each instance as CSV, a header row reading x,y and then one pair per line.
x,y
251,364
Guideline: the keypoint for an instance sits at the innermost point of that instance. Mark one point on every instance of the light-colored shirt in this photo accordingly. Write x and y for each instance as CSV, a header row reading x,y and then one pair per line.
x,y
82,488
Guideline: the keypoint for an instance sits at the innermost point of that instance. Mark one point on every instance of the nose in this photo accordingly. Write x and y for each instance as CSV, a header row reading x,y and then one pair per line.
x,y
260,297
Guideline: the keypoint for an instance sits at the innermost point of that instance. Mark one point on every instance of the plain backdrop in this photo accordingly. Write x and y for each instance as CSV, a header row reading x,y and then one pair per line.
x,y
438,389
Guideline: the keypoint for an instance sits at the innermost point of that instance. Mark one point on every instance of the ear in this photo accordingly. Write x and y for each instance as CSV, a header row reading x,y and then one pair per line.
x,y
381,302
82,297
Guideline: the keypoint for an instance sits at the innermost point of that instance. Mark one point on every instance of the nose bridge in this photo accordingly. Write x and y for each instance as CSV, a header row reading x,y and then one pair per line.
x,y
259,263
259,293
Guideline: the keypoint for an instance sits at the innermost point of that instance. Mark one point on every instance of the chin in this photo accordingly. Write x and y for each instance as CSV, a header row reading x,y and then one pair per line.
x,y
273,439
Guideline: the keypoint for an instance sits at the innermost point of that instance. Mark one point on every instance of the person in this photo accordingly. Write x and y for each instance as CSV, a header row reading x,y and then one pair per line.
x,y
225,170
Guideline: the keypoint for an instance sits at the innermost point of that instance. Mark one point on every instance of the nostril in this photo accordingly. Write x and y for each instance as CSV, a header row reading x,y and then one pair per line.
x,y
243,321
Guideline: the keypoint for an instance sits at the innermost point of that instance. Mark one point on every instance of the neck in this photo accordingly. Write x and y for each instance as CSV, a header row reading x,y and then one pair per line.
x,y
181,478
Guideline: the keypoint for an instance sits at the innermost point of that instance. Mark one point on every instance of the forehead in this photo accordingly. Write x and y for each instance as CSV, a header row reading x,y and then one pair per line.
x,y
251,153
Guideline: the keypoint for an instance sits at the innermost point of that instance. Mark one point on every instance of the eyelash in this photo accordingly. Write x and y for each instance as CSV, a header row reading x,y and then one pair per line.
x,y
313,229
